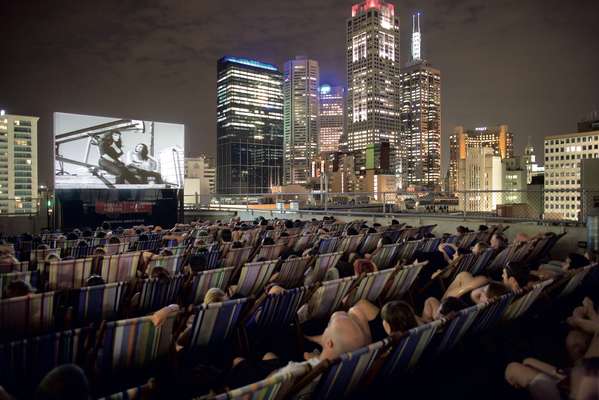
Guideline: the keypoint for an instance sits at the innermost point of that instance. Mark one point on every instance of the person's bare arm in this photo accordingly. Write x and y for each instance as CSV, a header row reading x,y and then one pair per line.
x,y
543,367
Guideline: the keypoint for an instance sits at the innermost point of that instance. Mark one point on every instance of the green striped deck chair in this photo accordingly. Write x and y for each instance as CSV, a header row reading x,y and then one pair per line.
x,y
370,242
347,373
292,272
177,250
203,281
157,293
213,324
120,267
143,392
481,262
102,302
68,274
27,315
116,248
269,252
171,263
408,347
322,264
329,296
370,286
385,256
254,277
25,362
402,279
457,326
491,313
134,344
574,280
303,242
350,244
525,300
237,257
274,387
407,250
327,245
31,277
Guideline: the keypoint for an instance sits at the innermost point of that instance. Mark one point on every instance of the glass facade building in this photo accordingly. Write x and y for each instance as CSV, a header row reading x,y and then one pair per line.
x,y
249,126
332,120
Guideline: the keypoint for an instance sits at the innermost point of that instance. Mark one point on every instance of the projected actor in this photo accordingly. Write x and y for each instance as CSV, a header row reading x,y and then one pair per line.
x,y
143,165
110,152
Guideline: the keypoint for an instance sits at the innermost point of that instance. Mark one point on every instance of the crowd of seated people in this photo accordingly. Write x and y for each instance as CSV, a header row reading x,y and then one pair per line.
x,y
171,268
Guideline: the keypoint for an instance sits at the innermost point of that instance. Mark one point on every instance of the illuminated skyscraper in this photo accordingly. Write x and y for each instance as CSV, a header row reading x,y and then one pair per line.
x,y
332,103
300,91
249,126
420,148
373,76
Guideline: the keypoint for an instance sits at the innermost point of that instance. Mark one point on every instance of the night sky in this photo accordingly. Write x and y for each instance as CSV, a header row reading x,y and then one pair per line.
x,y
532,64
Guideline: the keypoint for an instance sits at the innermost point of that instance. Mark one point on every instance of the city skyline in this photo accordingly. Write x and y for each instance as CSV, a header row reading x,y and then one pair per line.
x,y
168,73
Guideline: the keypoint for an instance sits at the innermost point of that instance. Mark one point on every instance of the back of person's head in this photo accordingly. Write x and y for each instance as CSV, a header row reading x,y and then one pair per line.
x,y
94,280
159,273
461,230
384,240
237,245
66,382
394,222
288,224
268,241
483,228
519,271
351,231
398,316
263,222
363,266
17,288
343,334
197,263
214,295
496,289
114,240
479,247
106,226
166,252
72,236
81,243
226,235
451,304
100,234
576,261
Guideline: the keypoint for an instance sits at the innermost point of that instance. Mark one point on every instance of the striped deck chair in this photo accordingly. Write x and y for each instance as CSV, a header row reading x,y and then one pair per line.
x,y
426,229
481,262
468,240
213,324
457,326
68,274
328,245
407,250
22,266
254,277
288,241
81,251
501,259
402,280
453,239
348,372
292,272
370,286
385,256
94,242
524,301
31,277
574,280
269,252
408,233
330,295
143,392
349,244
274,387
171,263
237,257
203,281
133,344
116,248
322,264
120,267
392,234
370,242
250,237
491,313
148,245
277,311
177,250
158,293
40,255
102,302
408,347
430,244
303,242
463,263
27,315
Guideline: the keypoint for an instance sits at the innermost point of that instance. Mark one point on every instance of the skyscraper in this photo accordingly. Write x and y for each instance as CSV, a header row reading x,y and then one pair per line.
x,y
497,138
249,126
373,76
420,148
18,164
300,91
332,119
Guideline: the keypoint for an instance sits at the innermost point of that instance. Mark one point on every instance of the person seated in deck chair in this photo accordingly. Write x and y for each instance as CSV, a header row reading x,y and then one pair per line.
x,y
557,268
8,262
66,382
17,288
447,306
395,316
516,275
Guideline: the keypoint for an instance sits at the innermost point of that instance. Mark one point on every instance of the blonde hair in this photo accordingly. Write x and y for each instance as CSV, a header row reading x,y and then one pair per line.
x,y
214,295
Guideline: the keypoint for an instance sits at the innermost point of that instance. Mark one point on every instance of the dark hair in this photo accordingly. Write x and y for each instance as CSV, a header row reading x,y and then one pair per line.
x,y
519,271
288,224
226,235
263,222
462,229
197,262
100,234
106,226
18,288
351,231
72,236
94,280
577,261
483,228
394,222
496,289
268,241
237,245
114,240
386,240
144,150
451,304
399,315
67,382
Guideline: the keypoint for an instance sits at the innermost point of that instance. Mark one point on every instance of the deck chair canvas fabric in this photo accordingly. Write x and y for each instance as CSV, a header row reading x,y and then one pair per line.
x,y
407,250
102,302
69,274
116,248
349,244
491,313
430,244
31,277
157,293
237,257
27,315
328,245
521,304
279,310
170,263
323,263
292,272
370,242
270,252
384,256
456,327
402,280
39,255
330,296
575,280
370,286
134,343
120,267
303,242
143,392
203,281
481,262
213,324
254,277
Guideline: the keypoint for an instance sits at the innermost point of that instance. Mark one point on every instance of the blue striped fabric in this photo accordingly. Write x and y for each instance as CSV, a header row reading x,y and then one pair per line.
x,y
102,302
214,324
279,310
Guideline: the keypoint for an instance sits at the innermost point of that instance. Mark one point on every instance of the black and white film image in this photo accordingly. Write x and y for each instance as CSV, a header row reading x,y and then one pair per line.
x,y
93,152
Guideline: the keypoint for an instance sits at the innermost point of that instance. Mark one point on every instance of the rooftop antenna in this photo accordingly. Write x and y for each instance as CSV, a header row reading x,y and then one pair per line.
x,y
416,38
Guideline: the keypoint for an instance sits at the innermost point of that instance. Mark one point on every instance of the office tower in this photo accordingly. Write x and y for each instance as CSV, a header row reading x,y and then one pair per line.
x,y
373,76
462,141
300,132
332,119
590,123
480,171
18,164
420,148
563,157
202,168
249,126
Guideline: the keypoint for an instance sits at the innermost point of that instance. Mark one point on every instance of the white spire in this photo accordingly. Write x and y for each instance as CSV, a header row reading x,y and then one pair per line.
x,y
416,37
